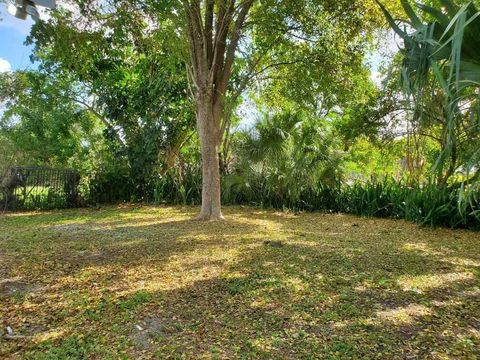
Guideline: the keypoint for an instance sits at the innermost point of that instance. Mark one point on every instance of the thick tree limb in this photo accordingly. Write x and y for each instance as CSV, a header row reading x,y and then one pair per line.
x,y
232,47
225,15
208,33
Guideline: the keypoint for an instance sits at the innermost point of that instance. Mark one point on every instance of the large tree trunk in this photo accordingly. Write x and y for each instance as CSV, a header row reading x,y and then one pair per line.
x,y
209,113
213,30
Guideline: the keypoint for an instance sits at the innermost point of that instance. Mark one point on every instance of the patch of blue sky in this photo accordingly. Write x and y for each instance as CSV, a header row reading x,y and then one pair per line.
x,y
13,33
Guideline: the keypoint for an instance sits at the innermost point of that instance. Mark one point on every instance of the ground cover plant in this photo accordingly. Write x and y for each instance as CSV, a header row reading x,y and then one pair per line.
x,y
150,282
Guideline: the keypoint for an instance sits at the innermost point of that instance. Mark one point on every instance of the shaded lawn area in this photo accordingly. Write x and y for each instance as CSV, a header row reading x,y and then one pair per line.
x,y
149,282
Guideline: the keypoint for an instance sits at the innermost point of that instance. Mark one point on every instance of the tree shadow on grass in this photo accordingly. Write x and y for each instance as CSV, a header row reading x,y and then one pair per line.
x,y
272,309
336,286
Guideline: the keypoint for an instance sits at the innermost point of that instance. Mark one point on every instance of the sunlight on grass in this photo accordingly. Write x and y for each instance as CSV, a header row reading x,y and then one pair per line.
x,y
407,314
427,282
48,336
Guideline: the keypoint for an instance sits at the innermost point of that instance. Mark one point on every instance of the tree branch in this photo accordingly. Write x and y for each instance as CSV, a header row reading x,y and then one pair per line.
x,y
92,110
208,40
232,47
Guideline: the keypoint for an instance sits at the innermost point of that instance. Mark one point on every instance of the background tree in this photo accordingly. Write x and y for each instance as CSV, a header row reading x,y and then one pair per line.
x,y
440,74
282,157
130,78
45,128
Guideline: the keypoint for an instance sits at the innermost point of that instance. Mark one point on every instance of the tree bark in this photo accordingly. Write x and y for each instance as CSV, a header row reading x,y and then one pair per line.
x,y
208,113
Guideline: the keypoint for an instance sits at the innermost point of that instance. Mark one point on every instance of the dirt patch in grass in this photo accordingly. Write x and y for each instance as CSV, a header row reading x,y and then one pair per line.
x,y
11,285
150,282
151,329
15,287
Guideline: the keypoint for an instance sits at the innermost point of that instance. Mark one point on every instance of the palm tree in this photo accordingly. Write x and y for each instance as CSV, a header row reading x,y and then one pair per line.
x,y
285,155
441,45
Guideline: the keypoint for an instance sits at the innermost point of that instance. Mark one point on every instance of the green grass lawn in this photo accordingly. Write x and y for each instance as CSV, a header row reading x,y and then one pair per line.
x,y
150,282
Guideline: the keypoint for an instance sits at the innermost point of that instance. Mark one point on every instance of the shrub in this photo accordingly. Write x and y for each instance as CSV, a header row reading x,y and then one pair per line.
x,y
425,204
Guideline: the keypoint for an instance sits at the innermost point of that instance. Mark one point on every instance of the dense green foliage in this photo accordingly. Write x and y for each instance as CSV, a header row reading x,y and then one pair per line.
x,y
132,79
305,127
440,75
291,162
427,204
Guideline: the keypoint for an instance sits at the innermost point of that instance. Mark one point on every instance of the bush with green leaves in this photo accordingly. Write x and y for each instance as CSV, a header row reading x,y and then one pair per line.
x,y
427,204
289,161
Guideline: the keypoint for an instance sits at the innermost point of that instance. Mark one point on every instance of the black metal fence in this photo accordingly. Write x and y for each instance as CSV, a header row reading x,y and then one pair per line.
x,y
27,188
